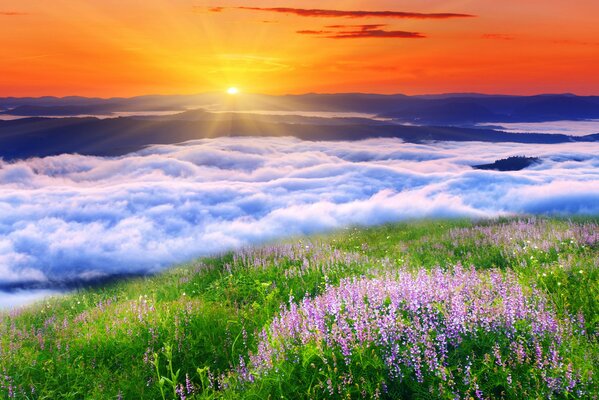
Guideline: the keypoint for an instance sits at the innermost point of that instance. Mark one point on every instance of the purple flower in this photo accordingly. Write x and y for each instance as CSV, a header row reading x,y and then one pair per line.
x,y
413,319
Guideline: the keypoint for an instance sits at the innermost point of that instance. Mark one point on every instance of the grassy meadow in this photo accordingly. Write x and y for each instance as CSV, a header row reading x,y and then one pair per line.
x,y
440,309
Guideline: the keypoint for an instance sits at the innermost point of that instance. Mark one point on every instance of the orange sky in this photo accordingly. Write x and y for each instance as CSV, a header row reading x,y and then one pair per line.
x,y
131,47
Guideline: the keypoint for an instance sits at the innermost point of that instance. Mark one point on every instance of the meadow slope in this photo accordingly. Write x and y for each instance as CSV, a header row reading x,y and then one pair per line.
x,y
505,308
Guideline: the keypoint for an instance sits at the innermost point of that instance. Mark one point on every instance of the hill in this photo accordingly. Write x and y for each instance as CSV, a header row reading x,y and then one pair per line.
x,y
494,308
510,164
38,137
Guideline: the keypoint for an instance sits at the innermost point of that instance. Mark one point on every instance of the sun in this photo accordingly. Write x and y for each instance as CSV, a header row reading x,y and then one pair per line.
x,y
232,90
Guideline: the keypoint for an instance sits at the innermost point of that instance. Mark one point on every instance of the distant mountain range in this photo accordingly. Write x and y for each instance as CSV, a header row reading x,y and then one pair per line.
x,y
411,118
465,108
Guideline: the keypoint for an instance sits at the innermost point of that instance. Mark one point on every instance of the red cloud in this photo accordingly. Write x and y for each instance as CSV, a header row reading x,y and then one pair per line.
x,y
362,31
375,33
312,32
498,36
304,12
365,27
11,13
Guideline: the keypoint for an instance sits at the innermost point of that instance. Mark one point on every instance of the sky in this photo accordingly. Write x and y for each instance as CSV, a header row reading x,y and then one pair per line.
x,y
111,48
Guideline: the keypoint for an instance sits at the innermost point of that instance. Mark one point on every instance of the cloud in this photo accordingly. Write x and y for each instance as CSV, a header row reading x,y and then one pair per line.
x,y
313,32
305,12
11,13
360,31
363,27
351,31
498,36
73,217
375,33
574,42
20,298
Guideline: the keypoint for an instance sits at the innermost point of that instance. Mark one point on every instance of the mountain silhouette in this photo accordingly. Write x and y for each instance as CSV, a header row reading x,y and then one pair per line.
x,y
36,137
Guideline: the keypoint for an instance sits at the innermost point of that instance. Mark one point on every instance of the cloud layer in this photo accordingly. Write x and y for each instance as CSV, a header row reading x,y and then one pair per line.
x,y
78,217
19,298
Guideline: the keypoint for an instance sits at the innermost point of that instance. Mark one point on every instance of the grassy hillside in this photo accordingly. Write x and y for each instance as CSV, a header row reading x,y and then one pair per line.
x,y
435,309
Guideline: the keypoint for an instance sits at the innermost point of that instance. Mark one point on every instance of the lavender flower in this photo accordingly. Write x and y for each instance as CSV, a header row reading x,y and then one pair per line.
x,y
415,319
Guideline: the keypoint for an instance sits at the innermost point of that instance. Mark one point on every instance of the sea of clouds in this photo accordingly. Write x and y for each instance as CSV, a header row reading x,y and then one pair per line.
x,y
73,217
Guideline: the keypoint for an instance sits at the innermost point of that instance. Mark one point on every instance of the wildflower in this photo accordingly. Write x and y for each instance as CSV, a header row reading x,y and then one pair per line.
x,y
396,313
188,385
180,392
497,354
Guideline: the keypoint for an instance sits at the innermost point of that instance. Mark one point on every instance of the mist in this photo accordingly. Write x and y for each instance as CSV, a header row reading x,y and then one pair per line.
x,y
77,218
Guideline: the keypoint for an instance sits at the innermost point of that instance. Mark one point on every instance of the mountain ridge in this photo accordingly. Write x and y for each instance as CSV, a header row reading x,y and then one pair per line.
x,y
39,136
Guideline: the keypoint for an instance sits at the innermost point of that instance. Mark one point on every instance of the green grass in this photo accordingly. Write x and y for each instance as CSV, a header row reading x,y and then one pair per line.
x,y
139,339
